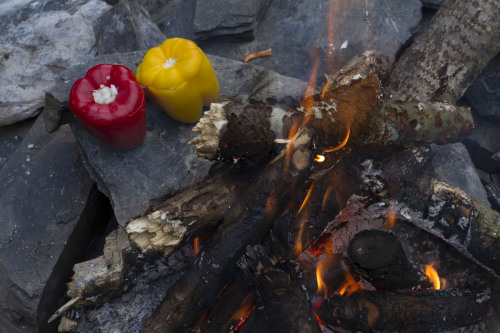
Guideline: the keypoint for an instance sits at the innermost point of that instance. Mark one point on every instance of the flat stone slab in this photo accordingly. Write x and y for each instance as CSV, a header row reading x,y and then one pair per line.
x,y
43,191
164,164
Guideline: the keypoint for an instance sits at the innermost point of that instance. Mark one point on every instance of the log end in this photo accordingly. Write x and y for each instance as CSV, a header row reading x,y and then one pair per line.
x,y
210,126
155,232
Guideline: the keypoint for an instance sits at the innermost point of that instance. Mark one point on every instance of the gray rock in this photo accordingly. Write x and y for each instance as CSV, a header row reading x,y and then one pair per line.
x,y
127,27
174,17
235,20
164,164
34,50
453,165
11,137
43,193
484,93
294,29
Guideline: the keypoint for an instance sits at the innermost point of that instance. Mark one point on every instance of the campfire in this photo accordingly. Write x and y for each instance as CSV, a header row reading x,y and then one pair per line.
x,y
325,214
322,213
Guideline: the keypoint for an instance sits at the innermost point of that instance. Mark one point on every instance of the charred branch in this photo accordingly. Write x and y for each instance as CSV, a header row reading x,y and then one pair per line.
x,y
281,288
379,257
355,111
446,57
247,222
195,212
400,311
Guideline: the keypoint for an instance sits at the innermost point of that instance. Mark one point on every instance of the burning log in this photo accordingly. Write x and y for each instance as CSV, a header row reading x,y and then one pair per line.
x,y
355,111
380,258
246,222
280,286
192,213
446,58
400,311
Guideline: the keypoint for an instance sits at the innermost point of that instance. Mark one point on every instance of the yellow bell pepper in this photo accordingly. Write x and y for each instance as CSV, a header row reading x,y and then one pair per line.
x,y
179,78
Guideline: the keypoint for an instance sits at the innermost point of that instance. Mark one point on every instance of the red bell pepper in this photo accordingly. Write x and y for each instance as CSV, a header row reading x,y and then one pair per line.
x,y
111,105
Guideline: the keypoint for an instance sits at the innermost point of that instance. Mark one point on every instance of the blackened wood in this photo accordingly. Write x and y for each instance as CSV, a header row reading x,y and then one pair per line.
x,y
380,258
194,212
417,311
247,222
449,54
280,286
226,312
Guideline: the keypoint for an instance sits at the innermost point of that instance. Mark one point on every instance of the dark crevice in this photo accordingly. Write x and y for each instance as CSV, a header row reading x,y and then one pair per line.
x,y
85,238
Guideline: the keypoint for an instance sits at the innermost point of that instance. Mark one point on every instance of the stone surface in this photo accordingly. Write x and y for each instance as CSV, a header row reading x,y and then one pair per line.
x,y
294,29
164,164
34,50
174,17
43,192
127,27
233,20
10,138
484,93
454,166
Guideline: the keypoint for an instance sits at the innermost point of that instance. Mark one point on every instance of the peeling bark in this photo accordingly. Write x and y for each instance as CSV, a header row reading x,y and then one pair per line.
x,y
451,52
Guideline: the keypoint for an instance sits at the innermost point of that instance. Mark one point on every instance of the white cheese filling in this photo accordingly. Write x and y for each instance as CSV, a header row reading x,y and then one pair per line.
x,y
170,62
105,95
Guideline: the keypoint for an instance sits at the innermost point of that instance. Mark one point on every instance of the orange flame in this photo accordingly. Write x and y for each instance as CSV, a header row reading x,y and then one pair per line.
x,y
242,314
330,35
297,249
327,194
320,158
308,100
306,199
288,152
342,144
391,218
319,278
433,275
196,246
350,286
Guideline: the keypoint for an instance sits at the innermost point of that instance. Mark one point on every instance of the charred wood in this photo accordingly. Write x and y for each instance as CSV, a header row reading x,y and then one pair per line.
x,y
400,311
379,257
247,222
233,306
280,285
355,112
195,212
449,54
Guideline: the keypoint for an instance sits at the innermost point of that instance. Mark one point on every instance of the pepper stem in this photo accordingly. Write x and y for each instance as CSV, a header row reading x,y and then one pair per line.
x,y
170,62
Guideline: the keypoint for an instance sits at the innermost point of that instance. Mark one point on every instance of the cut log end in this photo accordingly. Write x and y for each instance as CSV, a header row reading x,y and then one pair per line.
x,y
210,127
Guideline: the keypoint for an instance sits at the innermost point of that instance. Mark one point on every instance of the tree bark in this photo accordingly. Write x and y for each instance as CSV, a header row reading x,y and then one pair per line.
x,y
355,112
449,54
